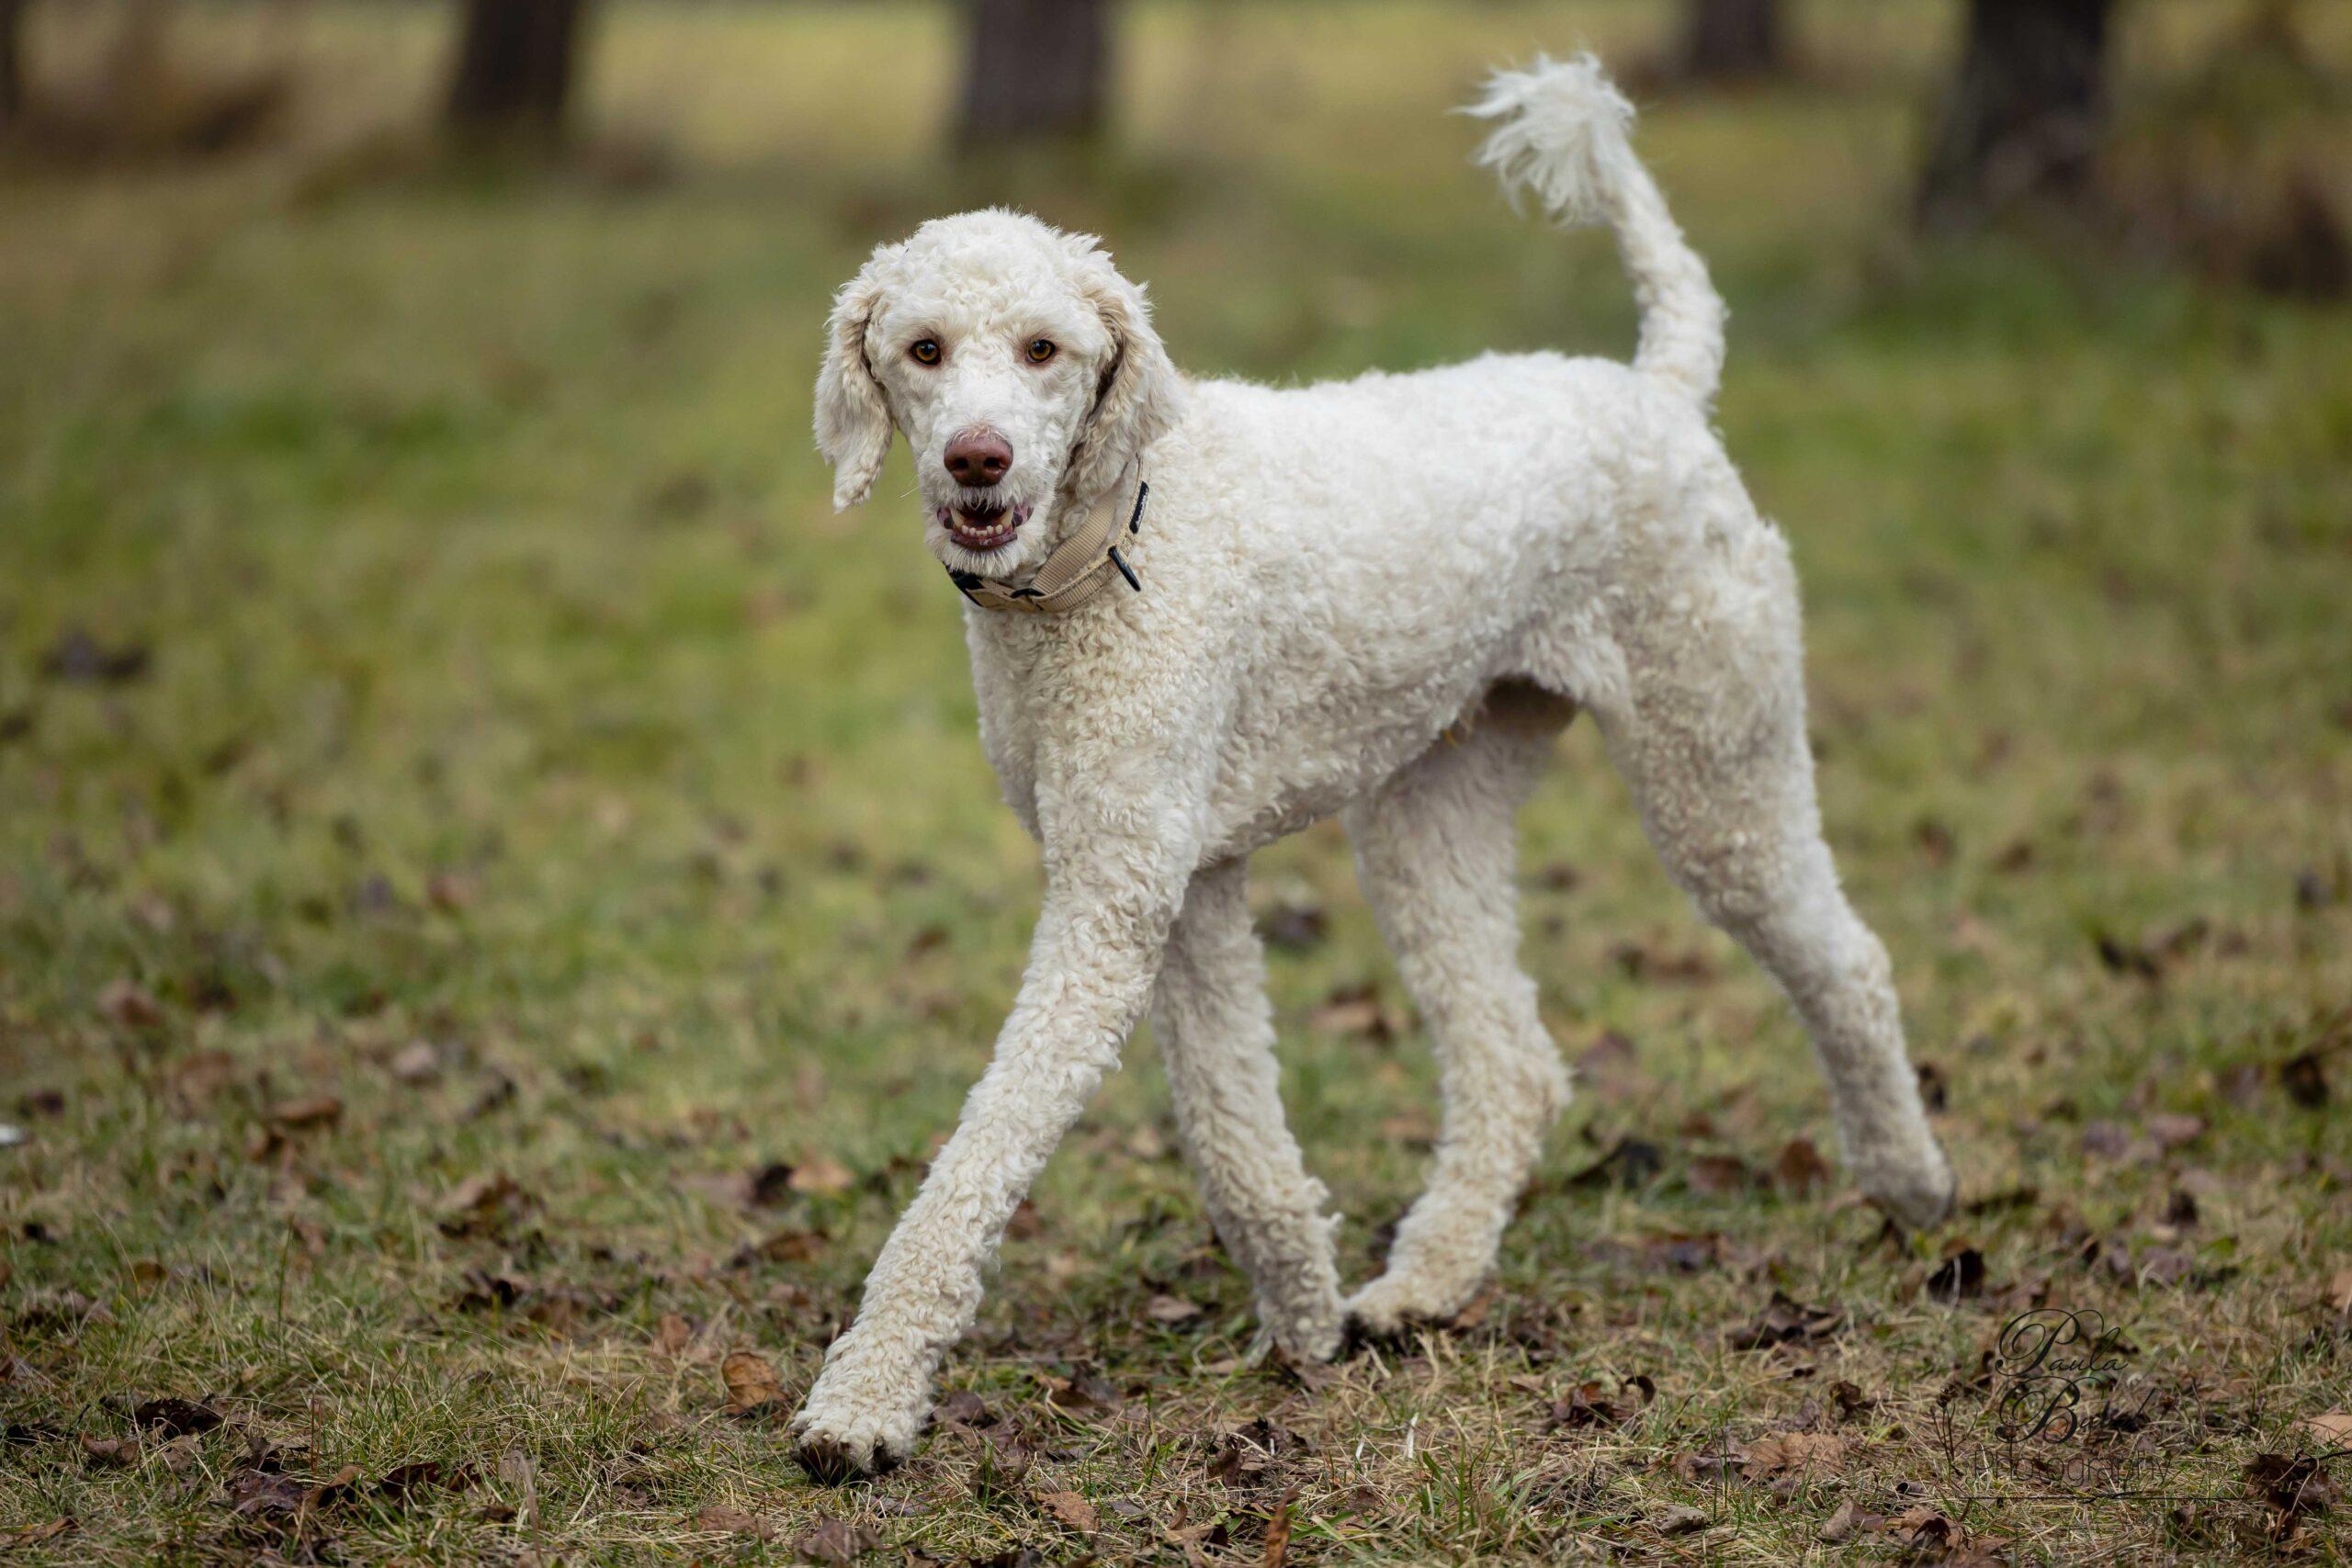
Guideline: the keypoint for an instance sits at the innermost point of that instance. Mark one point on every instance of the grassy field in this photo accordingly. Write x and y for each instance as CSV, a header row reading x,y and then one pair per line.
x,y
500,893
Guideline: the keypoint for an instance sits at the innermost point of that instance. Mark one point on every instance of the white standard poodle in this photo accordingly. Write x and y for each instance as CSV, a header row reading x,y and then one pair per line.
x,y
1203,614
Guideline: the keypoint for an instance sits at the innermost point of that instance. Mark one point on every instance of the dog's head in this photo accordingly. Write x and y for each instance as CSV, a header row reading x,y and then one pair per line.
x,y
1021,366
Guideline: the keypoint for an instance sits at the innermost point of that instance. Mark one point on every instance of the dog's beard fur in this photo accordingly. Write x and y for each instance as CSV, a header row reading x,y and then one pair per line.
x,y
1023,547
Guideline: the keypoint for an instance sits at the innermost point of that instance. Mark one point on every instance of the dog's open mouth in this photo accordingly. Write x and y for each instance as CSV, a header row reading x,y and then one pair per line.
x,y
983,528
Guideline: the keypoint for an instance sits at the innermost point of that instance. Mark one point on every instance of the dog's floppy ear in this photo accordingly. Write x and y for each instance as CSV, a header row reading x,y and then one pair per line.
x,y
853,420
1140,396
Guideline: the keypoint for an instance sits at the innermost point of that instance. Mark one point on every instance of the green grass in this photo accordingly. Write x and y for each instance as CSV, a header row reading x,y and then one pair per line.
x,y
510,688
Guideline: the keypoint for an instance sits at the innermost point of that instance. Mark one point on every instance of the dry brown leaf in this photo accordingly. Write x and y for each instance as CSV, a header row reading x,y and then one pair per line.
x,y
1795,1453
1922,1527
110,1453
1277,1547
1787,1321
201,1077
129,1005
1800,1168
836,1540
1681,1519
1842,1524
175,1417
483,1205
309,1111
1960,1275
417,1062
1070,1509
2173,1129
516,1469
751,1382
1720,1176
1166,1308
1416,1128
673,1334
2339,1291
2334,1426
822,1175
725,1518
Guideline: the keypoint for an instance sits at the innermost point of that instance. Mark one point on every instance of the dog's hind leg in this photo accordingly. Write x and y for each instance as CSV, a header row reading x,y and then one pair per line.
x,y
1435,851
1710,732
1216,1035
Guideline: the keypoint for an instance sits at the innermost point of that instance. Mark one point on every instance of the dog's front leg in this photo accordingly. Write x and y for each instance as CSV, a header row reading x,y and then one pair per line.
x,y
1097,949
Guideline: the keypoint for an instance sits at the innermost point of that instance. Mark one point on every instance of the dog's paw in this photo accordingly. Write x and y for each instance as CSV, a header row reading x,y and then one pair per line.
x,y
1309,1339
830,1461
1917,1193
1386,1313
834,1446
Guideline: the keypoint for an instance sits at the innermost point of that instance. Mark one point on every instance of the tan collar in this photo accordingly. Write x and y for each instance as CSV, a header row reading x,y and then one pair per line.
x,y
1081,568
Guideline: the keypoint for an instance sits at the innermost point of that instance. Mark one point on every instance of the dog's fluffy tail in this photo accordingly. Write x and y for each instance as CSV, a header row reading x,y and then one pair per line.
x,y
1560,131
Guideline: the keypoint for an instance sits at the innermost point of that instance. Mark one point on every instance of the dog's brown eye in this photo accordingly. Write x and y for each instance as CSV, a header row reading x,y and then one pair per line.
x,y
925,351
1040,350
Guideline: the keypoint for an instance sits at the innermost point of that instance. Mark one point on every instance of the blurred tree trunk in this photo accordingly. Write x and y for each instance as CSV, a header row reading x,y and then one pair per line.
x,y
2024,117
514,66
1034,69
1731,39
12,61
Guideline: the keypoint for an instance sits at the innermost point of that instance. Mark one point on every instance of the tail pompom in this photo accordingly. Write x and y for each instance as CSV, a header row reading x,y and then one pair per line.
x,y
1563,132
1562,135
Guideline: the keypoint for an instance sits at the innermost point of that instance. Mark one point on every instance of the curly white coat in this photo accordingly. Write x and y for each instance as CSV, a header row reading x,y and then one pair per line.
x,y
1378,599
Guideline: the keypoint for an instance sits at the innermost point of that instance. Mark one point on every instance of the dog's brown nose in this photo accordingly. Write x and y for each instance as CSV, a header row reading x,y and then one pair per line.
x,y
979,457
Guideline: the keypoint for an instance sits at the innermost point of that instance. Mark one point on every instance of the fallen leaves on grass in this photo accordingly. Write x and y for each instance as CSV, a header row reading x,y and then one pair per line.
x,y
673,1334
1165,1308
60,1312
1800,1454
175,1417
484,1205
2332,1426
821,1176
1849,1399
725,1518
1630,1163
305,1113
2305,1081
1084,1393
1787,1321
1960,1275
794,1244
1800,1168
836,1540
110,1453
1681,1519
126,1004
1071,1510
418,1061
1000,1463
1358,1011
1720,1176
1597,1404
2295,1486
752,1384
556,1308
